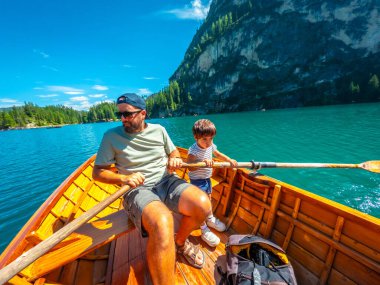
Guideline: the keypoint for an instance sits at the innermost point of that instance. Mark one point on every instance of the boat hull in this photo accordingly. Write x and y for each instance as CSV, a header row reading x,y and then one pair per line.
x,y
327,243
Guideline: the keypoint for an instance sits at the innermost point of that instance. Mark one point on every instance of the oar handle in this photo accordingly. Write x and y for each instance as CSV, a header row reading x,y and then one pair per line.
x,y
217,165
34,253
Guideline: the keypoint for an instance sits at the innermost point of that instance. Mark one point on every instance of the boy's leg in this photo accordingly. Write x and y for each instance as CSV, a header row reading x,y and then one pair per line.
x,y
208,236
211,221
215,223
205,186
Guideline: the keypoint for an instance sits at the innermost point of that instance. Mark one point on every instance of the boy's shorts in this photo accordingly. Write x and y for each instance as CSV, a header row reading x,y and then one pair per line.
x,y
168,190
203,184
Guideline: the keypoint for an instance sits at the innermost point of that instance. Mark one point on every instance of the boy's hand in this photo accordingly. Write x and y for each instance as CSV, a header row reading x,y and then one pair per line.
x,y
209,162
233,162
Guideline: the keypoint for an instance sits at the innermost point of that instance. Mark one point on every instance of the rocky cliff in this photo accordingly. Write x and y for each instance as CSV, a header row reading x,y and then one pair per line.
x,y
250,55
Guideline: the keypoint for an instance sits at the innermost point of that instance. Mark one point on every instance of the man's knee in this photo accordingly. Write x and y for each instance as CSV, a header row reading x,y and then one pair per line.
x,y
205,207
158,222
195,202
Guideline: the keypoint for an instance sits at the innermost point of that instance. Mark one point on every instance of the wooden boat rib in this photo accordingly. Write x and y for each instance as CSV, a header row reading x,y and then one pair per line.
x,y
327,243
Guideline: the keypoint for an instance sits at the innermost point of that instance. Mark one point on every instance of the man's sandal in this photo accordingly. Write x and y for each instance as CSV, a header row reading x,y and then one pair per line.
x,y
190,252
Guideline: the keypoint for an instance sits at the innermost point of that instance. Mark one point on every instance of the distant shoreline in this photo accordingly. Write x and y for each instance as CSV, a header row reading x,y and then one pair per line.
x,y
51,126
35,127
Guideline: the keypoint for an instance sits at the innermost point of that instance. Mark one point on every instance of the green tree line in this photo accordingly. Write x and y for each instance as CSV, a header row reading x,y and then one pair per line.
x,y
170,101
31,115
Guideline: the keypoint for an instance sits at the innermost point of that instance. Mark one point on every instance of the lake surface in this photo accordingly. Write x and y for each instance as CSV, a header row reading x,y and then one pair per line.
x,y
34,162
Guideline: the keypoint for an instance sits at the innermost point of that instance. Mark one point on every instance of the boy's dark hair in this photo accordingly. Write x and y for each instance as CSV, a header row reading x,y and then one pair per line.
x,y
204,127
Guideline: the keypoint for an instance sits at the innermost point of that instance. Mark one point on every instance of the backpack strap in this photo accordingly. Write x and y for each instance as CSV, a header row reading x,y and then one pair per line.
x,y
273,268
223,276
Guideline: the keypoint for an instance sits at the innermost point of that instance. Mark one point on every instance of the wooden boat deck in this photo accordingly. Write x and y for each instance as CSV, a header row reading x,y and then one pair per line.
x,y
130,267
123,261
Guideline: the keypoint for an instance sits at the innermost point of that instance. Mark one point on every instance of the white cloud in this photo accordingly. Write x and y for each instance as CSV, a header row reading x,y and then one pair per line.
x,y
9,103
41,53
197,11
74,92
127,65
79,98
66,90
50,68
48,95
99,102
144,91
79,106
150,78
97,95
99,87
7,100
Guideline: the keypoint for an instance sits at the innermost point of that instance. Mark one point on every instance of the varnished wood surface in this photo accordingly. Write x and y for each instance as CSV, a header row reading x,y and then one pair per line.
x,y
327,243
130,265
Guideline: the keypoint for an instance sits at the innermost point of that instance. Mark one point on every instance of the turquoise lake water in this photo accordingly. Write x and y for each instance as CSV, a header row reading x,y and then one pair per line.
x,y
34,162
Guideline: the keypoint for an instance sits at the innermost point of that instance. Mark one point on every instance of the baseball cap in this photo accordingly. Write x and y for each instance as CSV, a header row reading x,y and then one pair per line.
x,y
132,99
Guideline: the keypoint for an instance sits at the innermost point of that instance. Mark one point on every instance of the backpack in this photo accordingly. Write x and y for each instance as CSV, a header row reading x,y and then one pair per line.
x,y
252,260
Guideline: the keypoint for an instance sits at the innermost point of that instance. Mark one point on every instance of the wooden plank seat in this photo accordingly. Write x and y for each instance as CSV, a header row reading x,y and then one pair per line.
x,y
84,240
216,180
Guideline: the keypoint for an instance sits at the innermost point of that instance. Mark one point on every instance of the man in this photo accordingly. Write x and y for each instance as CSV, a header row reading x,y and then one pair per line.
x,y
145,158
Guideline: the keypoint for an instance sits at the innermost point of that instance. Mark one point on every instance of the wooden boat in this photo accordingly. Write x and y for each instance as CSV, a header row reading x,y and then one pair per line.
x,y
327,243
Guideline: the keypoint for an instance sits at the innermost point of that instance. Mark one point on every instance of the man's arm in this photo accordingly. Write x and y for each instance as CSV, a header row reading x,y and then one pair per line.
x,y
103,173
174,160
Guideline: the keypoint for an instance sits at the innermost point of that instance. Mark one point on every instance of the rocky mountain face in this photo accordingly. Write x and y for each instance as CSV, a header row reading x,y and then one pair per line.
x,y
263,54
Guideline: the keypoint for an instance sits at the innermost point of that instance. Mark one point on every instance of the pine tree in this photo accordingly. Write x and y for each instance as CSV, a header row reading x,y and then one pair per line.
x,y
374,82
7,121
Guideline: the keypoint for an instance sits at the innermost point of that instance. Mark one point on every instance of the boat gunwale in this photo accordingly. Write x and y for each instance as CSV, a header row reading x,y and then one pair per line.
x,y
335,207
17,244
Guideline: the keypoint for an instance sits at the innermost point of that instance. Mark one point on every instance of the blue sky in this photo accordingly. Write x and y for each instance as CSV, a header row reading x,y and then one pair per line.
x,y
81,52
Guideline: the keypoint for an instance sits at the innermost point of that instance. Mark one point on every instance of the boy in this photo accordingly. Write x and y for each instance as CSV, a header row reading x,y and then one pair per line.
x,y
203,149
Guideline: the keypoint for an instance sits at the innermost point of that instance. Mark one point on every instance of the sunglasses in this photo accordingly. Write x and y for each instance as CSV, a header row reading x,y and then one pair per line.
x,y
126,114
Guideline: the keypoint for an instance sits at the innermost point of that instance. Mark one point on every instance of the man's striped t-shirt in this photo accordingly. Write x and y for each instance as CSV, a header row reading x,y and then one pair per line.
x,y
201,154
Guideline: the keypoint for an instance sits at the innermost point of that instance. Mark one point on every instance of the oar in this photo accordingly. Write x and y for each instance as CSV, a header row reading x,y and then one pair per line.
x,y
373,165
34,253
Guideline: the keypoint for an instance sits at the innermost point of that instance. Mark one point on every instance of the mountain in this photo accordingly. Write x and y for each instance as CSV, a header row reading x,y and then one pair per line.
x,y
252,55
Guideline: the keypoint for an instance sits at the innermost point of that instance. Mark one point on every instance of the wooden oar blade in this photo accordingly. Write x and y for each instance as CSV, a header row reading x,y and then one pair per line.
x,y
373,166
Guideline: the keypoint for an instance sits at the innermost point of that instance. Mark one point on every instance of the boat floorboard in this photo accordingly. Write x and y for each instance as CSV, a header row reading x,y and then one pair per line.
x,y
130,266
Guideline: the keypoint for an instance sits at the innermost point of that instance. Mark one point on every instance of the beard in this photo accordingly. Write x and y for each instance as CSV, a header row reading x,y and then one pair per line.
x,y
133,127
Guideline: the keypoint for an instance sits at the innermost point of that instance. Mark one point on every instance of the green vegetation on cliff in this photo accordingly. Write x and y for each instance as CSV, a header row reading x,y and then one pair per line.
x,y
253,55
168,101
